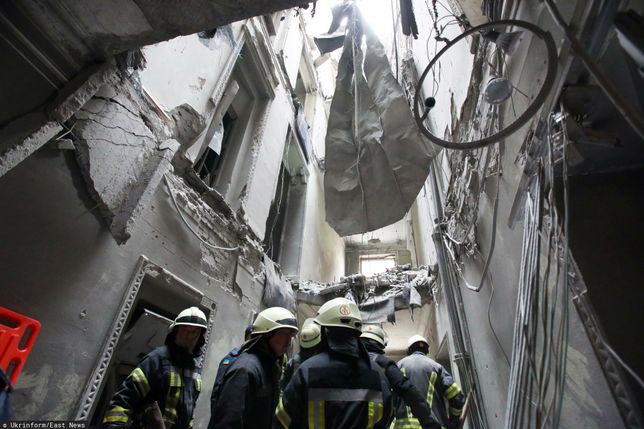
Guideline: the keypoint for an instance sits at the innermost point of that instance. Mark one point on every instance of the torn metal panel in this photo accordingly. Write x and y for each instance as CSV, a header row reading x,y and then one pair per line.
x,y
374,150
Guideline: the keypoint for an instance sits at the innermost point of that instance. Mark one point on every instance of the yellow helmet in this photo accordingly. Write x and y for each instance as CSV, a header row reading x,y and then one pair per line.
x,y
376,333
310,335
340,313
274,318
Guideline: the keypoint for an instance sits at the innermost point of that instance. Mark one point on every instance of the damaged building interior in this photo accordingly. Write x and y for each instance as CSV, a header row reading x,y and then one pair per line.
x,y
466,170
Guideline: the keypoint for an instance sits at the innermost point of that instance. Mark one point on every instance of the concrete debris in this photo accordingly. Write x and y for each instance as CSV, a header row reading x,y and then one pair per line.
x,y
277,288
188,124
64,144
377,296
18,140
119,155
81,89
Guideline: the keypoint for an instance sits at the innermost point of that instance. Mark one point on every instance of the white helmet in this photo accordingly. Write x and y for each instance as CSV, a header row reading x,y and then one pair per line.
x,y
310,335
339,313
416,339
274,318
192,316
375,333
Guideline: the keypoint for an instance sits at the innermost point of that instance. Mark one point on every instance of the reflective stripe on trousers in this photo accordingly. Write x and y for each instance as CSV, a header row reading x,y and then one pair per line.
x,y
319,396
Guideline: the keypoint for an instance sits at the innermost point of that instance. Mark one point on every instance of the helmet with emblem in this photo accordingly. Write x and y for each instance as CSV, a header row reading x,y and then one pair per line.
x,y
376,333
339,313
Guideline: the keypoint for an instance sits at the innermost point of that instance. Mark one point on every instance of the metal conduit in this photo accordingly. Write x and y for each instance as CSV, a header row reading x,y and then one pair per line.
x,y
460,331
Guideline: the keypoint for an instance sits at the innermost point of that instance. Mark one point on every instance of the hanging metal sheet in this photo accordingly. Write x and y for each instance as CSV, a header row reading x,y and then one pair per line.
x,y
376,158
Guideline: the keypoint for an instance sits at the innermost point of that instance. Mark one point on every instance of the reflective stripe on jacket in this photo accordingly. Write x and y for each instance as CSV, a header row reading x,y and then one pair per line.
x,y
437,385
405,391
333,391
158,377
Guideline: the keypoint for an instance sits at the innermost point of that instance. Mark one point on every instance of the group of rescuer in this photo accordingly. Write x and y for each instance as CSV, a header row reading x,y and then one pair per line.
x,y
340,378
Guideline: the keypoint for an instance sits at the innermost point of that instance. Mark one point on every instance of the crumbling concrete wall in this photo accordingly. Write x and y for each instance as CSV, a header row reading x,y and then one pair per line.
x,y
121,158
60,265
88,30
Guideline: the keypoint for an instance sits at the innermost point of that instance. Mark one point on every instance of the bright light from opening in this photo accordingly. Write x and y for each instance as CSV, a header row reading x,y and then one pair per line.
x,y
376,12
371,265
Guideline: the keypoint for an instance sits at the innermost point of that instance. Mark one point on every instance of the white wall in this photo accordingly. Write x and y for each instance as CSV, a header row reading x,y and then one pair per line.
x,y
323,249
186,69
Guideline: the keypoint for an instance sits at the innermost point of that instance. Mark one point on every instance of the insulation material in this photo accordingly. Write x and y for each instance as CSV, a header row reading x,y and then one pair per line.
x,y
277,289
377,296
376,158
378,310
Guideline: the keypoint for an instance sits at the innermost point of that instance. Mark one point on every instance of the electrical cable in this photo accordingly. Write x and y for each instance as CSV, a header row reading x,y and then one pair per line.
x,y
176,205
495,213
624,365
565,325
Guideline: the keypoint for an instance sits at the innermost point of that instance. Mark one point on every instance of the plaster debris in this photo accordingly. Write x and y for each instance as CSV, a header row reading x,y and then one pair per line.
x,y
378,296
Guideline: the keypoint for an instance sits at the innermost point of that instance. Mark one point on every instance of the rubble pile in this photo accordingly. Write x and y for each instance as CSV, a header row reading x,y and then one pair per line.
x,y
378,296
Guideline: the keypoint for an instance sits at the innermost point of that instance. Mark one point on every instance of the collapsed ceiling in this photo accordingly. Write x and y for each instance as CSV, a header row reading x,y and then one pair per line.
x,y
378,296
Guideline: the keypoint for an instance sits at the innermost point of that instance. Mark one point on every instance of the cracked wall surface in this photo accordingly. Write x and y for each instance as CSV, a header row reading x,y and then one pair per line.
x,y
117,151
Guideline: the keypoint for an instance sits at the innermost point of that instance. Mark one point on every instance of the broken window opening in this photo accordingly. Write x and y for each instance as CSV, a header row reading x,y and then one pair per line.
x,y
375,264
277,216
208,165
285,222
222,155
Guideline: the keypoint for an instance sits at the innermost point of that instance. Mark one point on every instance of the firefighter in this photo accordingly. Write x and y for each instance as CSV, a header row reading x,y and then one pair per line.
x,y
431,379
225,362
310,337
249,389
168,376
340,387
375,340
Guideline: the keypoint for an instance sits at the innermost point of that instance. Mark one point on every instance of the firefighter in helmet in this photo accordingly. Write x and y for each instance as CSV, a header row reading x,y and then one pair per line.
x,y
168,376
310,339
249,389
432,380
340,387
375,340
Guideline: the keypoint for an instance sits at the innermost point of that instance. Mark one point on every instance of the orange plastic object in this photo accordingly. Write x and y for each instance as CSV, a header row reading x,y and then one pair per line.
x,y
17,336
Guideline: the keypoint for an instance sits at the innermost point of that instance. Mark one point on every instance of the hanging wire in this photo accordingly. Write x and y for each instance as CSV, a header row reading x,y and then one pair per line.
x,y
185,221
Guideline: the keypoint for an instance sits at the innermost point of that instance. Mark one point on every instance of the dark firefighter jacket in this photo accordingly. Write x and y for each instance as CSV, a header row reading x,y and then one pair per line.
x,y
167,375
294,363
432,380
224,364
336,390
404,390
249,390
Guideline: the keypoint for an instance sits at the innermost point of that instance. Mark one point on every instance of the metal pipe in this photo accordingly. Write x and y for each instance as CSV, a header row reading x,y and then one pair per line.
x,y
460,331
